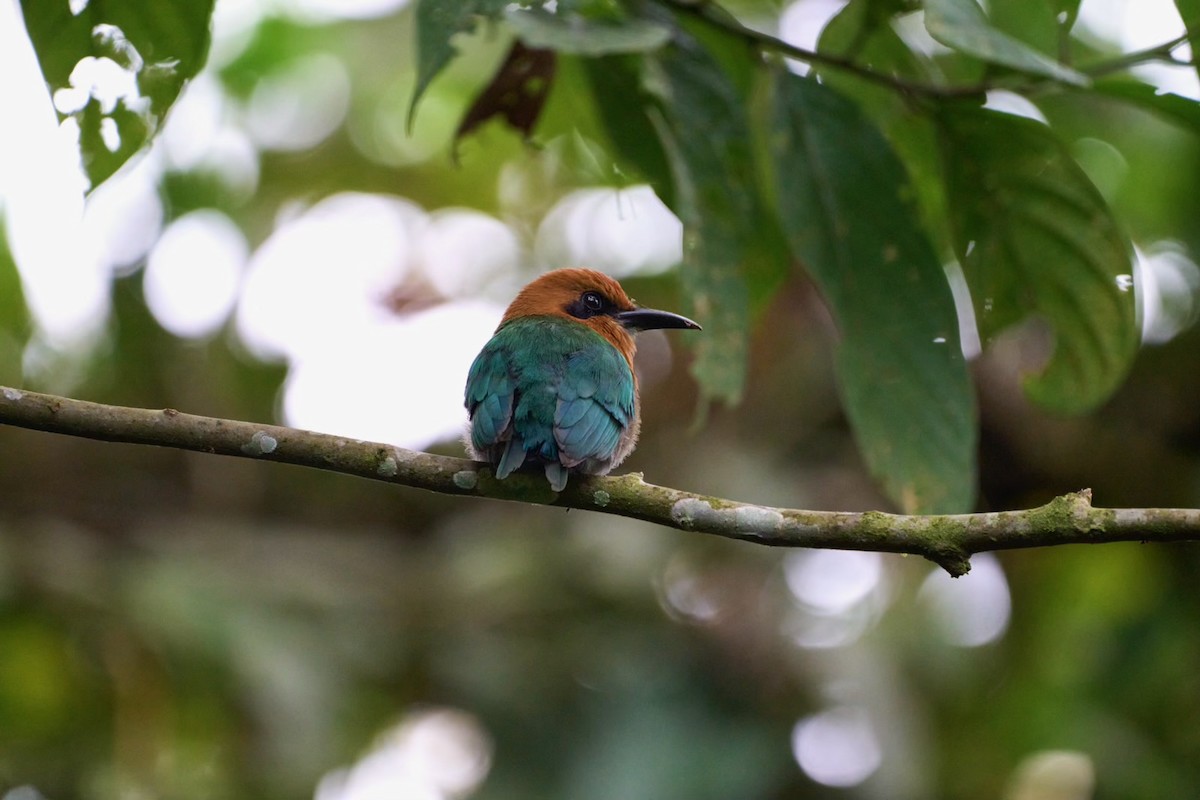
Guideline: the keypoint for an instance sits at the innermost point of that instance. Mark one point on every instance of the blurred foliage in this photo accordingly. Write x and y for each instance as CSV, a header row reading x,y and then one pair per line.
x,y
163,45
176,626
704,111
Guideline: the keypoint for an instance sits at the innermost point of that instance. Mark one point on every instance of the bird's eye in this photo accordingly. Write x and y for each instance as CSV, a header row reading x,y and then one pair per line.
x,y
592,301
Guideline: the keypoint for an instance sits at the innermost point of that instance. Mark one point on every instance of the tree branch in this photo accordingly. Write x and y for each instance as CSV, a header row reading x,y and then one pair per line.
x,y
714,15
948,540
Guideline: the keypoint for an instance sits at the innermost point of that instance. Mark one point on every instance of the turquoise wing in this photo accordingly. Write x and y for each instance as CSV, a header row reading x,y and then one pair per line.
x,y
595,404
490,395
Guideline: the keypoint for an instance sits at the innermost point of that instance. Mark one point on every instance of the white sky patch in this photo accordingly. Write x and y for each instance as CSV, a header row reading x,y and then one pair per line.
x,y
1013,103
1139,25
620,232
912,31
103,79
801,24
299,108
398,380
837,747
193,273
42,186
972,610
233,27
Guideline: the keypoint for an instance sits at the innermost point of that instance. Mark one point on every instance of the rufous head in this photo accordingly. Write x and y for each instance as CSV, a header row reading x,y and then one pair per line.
x,y
593,299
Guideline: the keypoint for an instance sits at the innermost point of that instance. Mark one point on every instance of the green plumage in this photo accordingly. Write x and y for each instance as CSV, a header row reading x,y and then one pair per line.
x,y
552,391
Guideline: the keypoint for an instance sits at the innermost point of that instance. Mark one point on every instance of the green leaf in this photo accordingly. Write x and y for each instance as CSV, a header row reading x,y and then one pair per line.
x,y
1189,11
962,25
702,124
1068,7
1035,237
621,105
1034,23
1178,109
14,317
163,44
845,205
437,22
575,33
862,31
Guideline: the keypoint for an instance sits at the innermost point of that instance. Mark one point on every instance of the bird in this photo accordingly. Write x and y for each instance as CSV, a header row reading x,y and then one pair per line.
x,y
555,385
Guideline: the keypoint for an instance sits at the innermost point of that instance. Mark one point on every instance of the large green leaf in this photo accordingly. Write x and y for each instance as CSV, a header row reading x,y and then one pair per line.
x,y
845,205
702,124
162,44
962,25
437,22
1176,108
863,31
620,103
574,33
1035,237
1066,12
1189,10
14,317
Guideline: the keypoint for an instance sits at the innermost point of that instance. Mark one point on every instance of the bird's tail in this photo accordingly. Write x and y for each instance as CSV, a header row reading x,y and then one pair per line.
x,y
513,457
556,473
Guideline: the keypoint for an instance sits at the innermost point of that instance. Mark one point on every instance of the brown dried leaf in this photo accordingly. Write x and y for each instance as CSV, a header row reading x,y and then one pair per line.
x,y
517,91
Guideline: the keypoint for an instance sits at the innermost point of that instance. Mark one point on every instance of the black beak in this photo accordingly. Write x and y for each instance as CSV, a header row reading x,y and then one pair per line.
x,y
647,319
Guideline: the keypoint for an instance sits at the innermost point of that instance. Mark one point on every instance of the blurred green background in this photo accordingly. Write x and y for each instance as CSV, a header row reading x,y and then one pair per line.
x,y
177,625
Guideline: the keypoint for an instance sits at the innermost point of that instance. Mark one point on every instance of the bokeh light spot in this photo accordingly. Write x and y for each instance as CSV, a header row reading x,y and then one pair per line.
x,y
972,610
618,231
299,108
832,581
462,251
124,216
837,747
401,381
193,273
432,755
324,274
1168,290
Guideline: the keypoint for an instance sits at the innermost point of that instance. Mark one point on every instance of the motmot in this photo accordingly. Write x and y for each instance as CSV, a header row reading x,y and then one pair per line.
x,y
555,385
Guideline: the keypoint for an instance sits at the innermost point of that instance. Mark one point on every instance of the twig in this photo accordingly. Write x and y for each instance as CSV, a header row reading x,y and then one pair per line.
x,y
1160,52
702,9
948,540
